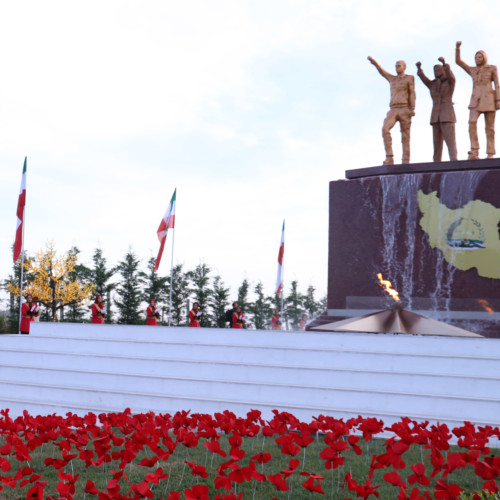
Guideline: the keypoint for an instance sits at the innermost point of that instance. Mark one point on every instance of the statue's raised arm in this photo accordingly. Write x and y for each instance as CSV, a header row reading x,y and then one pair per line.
x,y
458,59
381,70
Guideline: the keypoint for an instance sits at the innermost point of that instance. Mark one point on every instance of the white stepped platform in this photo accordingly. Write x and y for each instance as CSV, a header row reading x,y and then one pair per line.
x,y
79,368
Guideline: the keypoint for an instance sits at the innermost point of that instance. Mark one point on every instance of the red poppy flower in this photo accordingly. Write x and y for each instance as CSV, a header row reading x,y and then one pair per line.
x,y
332,458
148,462
309,484
261,458
142,489
361,490
174,495
395,479
293,464
156,477
447,491
214,447
278,481
197,492
231,496
197,470
237,453
91,488
353,441
414,495
369,427
418,475
36,491
222,481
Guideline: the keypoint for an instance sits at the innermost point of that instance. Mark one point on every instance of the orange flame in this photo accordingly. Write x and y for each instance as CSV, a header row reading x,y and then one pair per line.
x,y
387,286
485,305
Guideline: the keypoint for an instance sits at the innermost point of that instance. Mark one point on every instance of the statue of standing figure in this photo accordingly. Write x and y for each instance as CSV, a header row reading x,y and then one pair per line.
x,y
485,99
443,115
402,108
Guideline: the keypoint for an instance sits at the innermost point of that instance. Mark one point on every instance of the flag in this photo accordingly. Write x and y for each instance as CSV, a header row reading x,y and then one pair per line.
x,y
167,222
21,202
280,260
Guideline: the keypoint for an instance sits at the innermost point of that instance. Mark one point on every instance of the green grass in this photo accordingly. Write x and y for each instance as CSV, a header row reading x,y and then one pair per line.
x,y
180,476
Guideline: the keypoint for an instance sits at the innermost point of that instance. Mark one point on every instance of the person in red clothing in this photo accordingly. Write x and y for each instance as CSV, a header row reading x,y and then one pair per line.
x,y
238,318
36,315
276,320
153,313
98,310
195,316
303,322
28,311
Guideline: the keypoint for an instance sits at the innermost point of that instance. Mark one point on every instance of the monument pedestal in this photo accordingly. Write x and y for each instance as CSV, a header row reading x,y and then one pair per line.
x,y
432,229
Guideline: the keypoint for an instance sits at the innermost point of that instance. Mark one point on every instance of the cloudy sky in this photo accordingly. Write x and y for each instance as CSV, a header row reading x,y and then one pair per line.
x,y
248,108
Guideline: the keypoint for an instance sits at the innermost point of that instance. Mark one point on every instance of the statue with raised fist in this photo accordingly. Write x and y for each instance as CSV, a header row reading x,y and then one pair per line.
x,y
485,100
442,115
402,108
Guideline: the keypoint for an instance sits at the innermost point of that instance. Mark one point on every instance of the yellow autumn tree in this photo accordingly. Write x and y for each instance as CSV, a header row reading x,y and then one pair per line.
x,y
52,280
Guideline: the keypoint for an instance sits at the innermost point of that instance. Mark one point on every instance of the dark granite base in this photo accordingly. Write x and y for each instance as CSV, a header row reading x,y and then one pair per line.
x,y
376,227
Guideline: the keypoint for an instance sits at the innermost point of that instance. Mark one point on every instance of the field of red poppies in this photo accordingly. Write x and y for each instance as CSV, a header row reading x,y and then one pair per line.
x,y
224,457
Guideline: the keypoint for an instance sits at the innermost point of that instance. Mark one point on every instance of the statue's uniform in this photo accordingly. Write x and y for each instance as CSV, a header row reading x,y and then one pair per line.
x,y
401,110
443,115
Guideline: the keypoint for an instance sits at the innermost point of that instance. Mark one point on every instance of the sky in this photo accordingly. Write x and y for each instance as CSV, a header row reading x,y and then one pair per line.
x,y
248,108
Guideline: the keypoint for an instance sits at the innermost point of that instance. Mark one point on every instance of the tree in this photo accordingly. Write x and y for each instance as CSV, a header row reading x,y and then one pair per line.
x,y
311,307
199,279
180,295
243,301
294,306
219,302
52,282
155,287
75,311
129,290
261,309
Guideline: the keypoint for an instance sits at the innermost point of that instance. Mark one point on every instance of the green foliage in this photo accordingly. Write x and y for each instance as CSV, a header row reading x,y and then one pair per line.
x,y
155,287
294,306
486,495
261,309
129,291
199,279
180,295
243,301
219,302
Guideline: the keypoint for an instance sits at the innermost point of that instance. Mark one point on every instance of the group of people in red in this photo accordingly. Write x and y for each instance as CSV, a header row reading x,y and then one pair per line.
x,y
235,317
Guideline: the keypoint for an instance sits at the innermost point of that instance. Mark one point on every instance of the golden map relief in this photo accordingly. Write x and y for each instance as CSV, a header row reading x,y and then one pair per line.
x,y
468,236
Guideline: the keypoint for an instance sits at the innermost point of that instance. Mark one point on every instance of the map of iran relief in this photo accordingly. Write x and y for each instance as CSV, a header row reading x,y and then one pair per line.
x,y
468,237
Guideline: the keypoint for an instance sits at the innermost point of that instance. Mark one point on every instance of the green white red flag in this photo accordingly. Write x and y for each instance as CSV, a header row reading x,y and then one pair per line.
x,y
167,222
280,260
21,202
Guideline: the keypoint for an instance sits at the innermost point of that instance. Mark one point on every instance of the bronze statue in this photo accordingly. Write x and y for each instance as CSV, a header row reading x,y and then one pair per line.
x,y
485,99
402,108
443,115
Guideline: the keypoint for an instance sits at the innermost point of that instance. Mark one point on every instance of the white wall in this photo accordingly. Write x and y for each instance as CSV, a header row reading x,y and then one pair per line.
x,y
65,367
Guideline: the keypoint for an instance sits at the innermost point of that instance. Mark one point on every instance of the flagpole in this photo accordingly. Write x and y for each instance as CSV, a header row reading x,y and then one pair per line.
x,y
283,292
171,280
22,275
